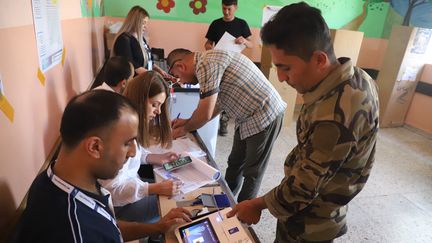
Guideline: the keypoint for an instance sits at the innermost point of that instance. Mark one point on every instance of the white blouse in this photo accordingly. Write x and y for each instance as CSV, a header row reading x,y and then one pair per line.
x,y
127,187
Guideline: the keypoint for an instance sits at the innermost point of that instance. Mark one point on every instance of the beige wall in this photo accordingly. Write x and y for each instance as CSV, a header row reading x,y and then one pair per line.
x,y
26,142
419,114
347,43
372,53
16,13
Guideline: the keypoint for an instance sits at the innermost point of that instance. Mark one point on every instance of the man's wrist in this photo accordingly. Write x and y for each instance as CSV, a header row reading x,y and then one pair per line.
x,y
185,128
157,228
260,203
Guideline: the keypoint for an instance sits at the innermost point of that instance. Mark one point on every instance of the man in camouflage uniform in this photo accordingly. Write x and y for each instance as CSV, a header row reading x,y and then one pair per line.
x,y
336,131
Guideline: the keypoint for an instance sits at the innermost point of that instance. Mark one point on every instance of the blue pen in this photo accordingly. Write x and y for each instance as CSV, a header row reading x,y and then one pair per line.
x,y
178,115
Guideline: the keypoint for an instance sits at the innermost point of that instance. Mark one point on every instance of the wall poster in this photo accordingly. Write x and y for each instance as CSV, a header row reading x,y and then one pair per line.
x,y
46,17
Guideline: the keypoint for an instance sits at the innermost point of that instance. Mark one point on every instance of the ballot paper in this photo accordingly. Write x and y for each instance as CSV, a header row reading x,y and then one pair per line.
x,y
193,175
227,43
180,145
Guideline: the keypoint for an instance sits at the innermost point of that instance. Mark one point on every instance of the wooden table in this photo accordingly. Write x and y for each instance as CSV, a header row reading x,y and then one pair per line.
x,y
166,204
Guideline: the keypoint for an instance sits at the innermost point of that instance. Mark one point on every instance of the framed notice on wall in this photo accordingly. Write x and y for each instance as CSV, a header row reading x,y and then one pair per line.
x,y
46,18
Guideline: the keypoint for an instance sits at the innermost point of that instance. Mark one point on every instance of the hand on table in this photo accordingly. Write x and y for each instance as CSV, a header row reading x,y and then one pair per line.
x,y
168,187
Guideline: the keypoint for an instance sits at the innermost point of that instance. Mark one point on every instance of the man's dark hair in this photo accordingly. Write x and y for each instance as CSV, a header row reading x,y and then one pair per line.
x,y
89,112
229,2
177,54
116,70
299,30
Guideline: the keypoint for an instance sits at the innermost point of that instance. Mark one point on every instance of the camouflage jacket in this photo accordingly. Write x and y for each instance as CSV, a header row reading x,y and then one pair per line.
x,y
336,134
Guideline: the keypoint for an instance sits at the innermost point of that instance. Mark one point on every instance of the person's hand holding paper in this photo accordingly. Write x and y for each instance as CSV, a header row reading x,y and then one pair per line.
x,y
228,43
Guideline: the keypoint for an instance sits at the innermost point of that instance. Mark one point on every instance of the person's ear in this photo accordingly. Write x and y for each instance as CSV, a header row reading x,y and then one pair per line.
x,y
94,146
181,66
123,83
320,59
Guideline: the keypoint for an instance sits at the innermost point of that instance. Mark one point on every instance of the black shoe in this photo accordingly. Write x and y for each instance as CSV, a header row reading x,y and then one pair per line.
x,y
223,128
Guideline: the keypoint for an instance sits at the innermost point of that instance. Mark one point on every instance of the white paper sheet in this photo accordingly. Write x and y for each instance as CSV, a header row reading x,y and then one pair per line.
x,y
193,175
227,43
180,145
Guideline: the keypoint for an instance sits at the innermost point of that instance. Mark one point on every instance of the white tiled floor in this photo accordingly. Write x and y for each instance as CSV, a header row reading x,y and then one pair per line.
x,y
394,206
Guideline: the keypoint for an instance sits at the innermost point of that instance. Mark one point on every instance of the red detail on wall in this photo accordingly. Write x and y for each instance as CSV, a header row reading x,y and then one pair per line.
x,y
198,6
165,5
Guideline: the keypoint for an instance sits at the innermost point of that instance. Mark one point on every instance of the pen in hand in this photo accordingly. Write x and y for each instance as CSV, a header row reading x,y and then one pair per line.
x,y
173,122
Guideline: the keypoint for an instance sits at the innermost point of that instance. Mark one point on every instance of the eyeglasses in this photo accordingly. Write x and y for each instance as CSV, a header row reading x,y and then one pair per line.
x,y
172,65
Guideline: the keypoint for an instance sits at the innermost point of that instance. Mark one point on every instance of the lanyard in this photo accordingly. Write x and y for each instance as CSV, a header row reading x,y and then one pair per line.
x,y
83,198
149,55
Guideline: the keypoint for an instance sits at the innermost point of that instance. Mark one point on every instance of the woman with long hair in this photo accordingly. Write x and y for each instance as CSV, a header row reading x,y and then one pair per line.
x,y
133,198
131,42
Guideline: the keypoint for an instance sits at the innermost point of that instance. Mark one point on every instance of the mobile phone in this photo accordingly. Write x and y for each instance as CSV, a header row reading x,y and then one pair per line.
x,y
177,163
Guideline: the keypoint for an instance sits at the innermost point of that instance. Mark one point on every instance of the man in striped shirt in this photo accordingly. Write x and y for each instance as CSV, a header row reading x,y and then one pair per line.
x,y
232,83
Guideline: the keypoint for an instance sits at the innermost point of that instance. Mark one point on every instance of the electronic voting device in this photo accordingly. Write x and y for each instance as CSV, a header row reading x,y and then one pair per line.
x,y
213,228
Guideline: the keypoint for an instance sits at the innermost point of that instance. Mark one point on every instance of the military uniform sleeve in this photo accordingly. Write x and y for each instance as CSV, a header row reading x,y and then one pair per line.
x,y
312,164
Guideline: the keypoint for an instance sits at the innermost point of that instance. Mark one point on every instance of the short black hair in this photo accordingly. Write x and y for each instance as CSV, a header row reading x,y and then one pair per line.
x,y
299,30
89,112
177,54
229,2
116,70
